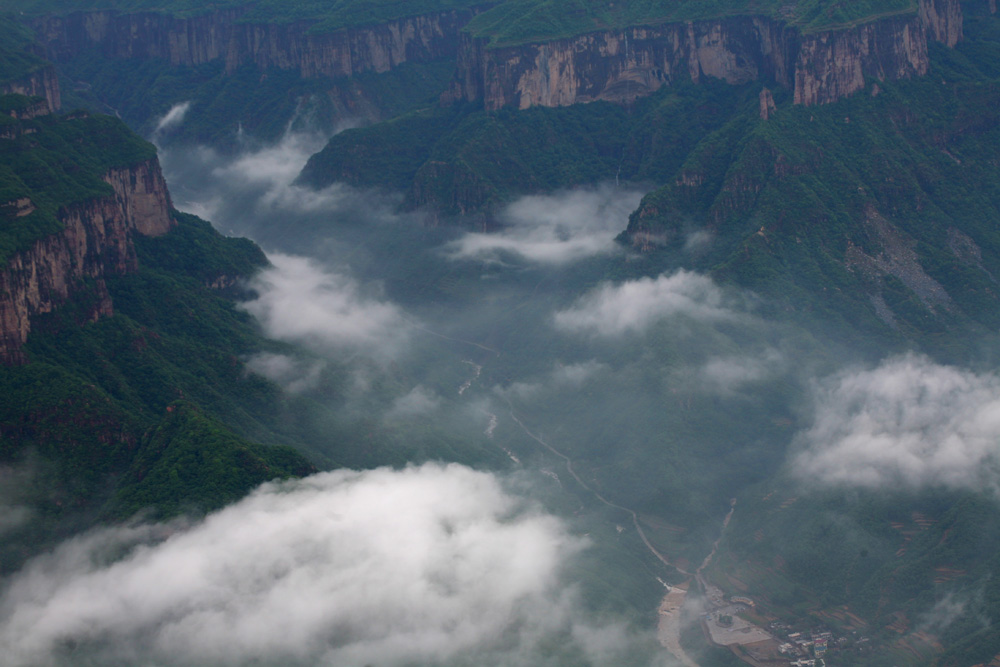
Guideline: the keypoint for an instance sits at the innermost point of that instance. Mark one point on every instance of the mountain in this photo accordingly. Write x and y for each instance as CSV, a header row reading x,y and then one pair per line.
x,y
91,376
832,165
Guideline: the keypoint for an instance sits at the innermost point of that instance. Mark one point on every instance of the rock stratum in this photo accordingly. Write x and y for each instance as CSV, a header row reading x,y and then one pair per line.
x,y
622,65
42,82
613,65
96,241
223,36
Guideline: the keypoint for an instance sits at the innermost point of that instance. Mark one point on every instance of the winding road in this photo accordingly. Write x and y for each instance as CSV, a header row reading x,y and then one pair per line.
x,y
669,625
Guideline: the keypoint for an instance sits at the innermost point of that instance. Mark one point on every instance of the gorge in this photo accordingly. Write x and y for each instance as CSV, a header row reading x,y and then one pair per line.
x,y
548,307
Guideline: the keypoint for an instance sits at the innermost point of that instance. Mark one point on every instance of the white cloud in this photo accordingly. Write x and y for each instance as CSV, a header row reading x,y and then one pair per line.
x,y
273,165
554,228
612,310
173,117
419,400
420,566
562,376
907,423
259,182
300,302
294,375
725,374
945,611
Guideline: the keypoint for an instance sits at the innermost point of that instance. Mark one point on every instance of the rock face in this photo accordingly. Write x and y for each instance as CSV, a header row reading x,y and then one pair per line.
x,y
221,35
625,64
96,241
43,82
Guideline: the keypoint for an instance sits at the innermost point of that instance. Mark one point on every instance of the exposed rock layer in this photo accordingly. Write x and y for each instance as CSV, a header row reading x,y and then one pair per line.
x,y
42,82
622,65
221,35
96,241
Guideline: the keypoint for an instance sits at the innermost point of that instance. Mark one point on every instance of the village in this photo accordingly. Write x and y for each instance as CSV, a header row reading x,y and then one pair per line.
x,y
726,622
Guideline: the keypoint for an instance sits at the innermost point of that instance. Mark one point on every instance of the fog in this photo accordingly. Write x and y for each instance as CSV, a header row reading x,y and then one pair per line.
x,y
428,564
613,310
556,228
909,423
512,350
591,397
526,349
299,302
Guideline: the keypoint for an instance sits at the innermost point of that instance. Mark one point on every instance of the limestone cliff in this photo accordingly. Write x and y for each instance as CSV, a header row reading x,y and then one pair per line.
x,y
223,36
96,241
42,82
624,64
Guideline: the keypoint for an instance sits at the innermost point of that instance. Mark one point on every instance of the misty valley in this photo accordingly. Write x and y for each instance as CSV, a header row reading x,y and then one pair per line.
x,y
511,333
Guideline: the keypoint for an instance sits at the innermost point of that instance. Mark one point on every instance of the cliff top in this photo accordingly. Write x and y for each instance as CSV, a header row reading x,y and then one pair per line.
x,y
507,22
328,15
522,21
52,161
15,61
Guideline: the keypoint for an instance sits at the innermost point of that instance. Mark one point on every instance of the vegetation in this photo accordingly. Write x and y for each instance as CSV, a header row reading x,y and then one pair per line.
x,y
521,21
797,204
153,409
93,418
326,16
227,109
54,162
510,21
883,557
195,464
459,160
15,61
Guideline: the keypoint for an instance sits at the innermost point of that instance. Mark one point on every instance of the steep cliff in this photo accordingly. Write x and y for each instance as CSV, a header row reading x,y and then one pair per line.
x,y
223,36
96,241
879,209
42,82
624,64
22,72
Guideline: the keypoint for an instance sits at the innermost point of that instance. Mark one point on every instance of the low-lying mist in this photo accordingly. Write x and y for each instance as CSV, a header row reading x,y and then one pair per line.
x,y
542,352
425,565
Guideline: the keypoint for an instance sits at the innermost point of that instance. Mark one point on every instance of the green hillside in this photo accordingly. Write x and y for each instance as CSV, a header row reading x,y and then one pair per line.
x,y
93,414
56,161
885,202
466,160
15,61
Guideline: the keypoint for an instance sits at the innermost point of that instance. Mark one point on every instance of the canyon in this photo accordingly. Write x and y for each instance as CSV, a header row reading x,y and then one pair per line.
x,y
623,65
615,65
96,241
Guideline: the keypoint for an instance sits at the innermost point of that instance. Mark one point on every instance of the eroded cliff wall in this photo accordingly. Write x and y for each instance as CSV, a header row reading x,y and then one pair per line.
x,y
43,82
221,35
625,64
96,241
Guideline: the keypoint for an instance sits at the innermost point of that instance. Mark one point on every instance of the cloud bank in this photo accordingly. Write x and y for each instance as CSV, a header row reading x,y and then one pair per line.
x,y
300,302
555,228
908,423
633,306
246,194
428,565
